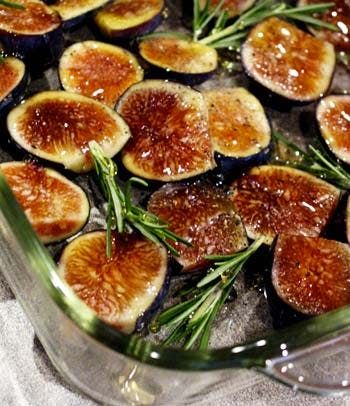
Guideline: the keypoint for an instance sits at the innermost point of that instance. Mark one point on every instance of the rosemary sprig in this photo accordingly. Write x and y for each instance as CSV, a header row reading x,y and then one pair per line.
x,y
191,321
223,36
122,214
316,161
8,3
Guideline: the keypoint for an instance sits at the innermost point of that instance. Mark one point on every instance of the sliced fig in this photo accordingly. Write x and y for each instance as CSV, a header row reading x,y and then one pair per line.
x,y
73,12
333,116
57,126
339,15
238,127
123,289
288,61
232,7
98,70
204,216
277,199
169,127
129,18
312,275
32,31
179,59
14,79
55,206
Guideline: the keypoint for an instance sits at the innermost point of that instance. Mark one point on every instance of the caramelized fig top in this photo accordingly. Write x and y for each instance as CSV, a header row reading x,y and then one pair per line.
x,y
277,199
339,15
58,126
288,61
179,55
237,123
333,116
35,19
312,274
69,9
11,73
120,288
204,216
55,207
99,70
232,7
169,127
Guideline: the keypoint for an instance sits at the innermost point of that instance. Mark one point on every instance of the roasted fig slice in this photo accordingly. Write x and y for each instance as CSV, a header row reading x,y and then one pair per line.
x,y
129,18
232,7
55,206
238,127
333,116
288,61
13,83
99,70
73,12
312,275
339,15
123,290
58,126
204,216
169,127
32,31
179,59
277,199
347,220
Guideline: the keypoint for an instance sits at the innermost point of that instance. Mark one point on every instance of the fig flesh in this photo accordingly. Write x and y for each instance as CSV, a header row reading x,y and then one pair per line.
x,y
339,15
204,216
232,7
169,128
57,126
179,59
312,275
277,199
55,206
288,61
98,70
333,116
129,18
238,127
33,32
14,79
121,289
73,12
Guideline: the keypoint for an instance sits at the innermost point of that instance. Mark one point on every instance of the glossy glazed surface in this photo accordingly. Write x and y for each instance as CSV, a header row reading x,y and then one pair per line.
x,y
204,216
169,127
277,199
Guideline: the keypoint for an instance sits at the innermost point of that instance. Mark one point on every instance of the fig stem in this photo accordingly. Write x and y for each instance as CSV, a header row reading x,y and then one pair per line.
x,y
12,4
122,214
316,161
191,320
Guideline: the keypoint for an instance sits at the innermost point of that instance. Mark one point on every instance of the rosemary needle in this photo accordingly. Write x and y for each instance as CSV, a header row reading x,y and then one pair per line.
x,y
191,321
316,161
8,3
122,214
230,36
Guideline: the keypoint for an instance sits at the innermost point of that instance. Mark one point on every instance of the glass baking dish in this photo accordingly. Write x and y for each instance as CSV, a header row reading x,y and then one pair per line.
x,y
114,368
